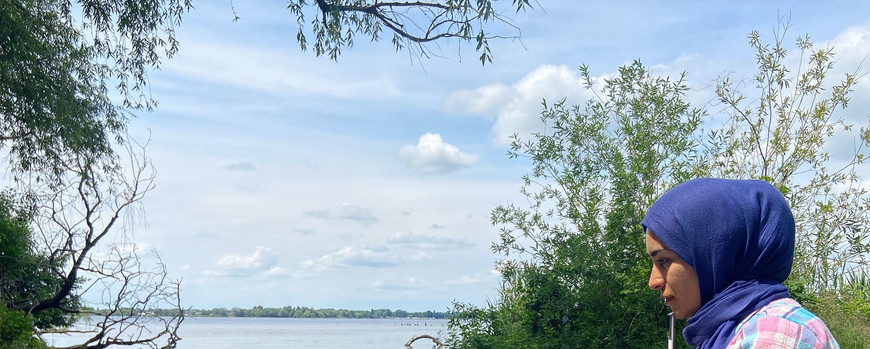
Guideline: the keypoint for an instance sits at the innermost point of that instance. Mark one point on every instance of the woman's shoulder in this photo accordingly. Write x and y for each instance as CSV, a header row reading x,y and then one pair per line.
x,y
788,309
783,323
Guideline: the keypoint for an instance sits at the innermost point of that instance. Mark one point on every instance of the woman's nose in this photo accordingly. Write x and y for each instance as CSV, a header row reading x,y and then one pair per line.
x,y
656,282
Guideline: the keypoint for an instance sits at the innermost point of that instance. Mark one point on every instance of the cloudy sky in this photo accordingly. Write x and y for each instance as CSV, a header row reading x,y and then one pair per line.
x,y
288,179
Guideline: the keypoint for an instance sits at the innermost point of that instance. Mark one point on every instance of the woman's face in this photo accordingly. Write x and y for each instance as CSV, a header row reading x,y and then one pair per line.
x,y
675,278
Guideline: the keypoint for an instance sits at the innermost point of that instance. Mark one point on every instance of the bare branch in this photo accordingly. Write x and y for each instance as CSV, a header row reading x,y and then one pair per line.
x,y
76,221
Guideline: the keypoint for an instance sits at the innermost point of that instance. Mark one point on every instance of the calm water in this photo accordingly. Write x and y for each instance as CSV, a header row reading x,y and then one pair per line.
x,y
221,333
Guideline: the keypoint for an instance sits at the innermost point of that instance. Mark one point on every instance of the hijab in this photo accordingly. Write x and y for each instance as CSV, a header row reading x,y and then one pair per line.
x,y
739,236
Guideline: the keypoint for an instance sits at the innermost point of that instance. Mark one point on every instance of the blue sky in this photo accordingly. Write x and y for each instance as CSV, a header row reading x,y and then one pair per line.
x,y
289,179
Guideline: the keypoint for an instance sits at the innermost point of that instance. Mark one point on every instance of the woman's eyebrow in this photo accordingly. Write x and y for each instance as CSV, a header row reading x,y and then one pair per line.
x,y
655,252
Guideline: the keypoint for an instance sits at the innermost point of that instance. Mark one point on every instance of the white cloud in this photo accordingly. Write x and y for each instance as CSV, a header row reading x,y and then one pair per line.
x,y
851,50
426,241
402,284
466,280
276,270
402,248
483,100
852,55
263,260
432,155
240,166
265,71
421,256
364,256
345,211
865,185
852,46
518,107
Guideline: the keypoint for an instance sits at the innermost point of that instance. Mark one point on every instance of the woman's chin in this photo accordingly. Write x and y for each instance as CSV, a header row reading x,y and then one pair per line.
x,y
681,313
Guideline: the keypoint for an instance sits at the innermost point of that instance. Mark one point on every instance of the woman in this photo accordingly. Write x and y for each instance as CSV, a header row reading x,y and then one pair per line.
x,y
721,250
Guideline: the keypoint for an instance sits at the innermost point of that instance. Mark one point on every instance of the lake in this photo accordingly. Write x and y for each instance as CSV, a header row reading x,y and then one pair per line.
x,y
221,333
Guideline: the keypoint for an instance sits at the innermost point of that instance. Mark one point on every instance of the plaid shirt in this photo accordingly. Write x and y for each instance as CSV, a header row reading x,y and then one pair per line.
x,y
782,324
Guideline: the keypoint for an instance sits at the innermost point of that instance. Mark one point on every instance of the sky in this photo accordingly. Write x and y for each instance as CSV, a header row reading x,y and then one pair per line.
x,y
289,179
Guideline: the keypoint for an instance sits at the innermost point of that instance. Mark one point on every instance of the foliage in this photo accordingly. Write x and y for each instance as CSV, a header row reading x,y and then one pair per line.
x,y
849,318
577,274
16,331
71,74
60,64
26,277
21,280
781,137
578,278
414,24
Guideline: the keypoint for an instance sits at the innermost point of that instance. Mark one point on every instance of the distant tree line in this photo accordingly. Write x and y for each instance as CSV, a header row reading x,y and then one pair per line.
x,y
306,312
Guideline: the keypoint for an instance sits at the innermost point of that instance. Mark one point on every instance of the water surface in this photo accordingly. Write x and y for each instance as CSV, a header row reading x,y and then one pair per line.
x,y
266,333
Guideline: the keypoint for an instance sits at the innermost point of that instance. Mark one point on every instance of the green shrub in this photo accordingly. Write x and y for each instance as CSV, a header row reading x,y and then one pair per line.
x,y
16,330
847,316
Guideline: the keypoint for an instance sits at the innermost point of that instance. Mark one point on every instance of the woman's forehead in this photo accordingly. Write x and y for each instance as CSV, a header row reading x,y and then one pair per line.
x,y
654,245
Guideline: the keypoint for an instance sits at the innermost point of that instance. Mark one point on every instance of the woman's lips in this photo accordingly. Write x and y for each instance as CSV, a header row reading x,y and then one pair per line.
x,y
668,300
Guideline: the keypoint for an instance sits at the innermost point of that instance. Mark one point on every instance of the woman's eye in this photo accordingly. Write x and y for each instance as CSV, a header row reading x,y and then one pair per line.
x,y
662,261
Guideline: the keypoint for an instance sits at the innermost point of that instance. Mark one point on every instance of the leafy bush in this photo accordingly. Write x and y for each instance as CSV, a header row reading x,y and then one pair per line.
x,y
580,275
16,330
574,272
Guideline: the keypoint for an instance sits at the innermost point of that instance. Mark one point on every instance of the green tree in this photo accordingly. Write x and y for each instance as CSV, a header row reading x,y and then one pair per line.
x,y
781,135
60,63
71,74
25,279
26,276
578,273
16,331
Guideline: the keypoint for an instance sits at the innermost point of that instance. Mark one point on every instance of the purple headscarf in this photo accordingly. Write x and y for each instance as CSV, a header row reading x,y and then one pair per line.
x,y
739,236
